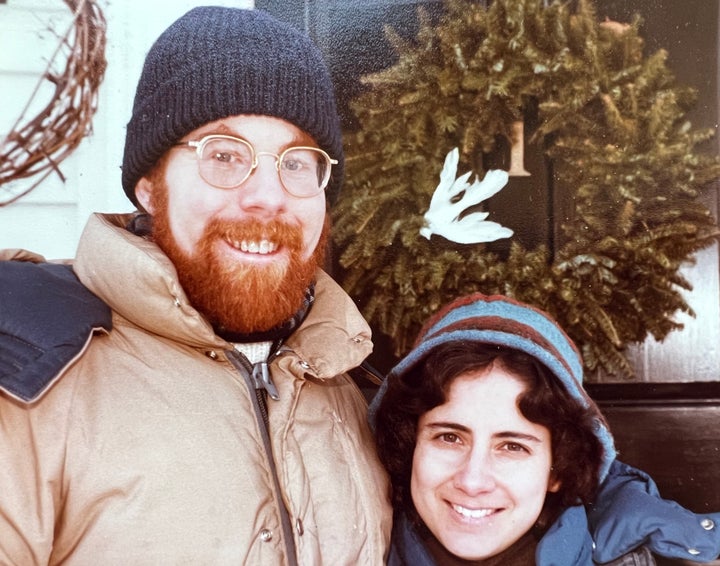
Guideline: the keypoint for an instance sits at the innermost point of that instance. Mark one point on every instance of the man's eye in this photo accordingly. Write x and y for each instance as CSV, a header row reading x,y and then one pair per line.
x,y
223,157
293,165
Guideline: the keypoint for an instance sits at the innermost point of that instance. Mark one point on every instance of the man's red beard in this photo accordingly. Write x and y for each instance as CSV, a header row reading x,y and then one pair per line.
x,y
236,297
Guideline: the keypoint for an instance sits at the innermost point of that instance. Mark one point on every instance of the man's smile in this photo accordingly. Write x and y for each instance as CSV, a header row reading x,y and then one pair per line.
x,y
262,247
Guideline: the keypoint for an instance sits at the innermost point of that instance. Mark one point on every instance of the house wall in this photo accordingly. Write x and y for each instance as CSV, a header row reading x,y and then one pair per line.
x,y
49,220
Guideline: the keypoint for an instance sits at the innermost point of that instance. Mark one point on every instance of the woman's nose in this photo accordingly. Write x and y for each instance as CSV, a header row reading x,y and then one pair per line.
x,y
476,474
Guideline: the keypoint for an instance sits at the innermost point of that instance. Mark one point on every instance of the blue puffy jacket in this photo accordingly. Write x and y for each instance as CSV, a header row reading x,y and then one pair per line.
x,y
630,512
628,522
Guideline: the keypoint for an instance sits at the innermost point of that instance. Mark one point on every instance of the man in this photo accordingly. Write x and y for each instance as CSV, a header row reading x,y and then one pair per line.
x,y
216,423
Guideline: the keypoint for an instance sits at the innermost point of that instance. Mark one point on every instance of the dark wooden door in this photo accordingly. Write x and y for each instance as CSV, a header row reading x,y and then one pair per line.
x,y
665,423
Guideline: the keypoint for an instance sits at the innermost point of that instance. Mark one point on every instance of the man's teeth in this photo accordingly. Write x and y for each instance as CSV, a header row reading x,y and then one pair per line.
x,y
262,247
473,513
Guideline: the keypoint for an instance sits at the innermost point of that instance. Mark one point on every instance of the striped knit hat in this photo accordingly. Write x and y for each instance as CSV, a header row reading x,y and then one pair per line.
x,y
502,321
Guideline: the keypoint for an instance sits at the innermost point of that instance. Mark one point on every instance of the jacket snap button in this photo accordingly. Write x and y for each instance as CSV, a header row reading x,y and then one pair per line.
x,y
693,551
707,524
212,354
304,365
266,535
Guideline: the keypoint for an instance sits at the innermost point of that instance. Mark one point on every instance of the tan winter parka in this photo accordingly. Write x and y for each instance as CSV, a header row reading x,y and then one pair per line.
x,y
150,447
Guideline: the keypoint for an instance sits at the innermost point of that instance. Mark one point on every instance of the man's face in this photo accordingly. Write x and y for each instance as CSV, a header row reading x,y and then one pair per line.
x,y
245,255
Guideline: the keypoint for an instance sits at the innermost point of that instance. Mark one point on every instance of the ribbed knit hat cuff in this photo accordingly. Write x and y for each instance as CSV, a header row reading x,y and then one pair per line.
x,y
154,137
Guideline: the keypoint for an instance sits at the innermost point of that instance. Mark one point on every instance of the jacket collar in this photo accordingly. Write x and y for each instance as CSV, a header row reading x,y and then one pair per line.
x,y
566,542
333,338
48,318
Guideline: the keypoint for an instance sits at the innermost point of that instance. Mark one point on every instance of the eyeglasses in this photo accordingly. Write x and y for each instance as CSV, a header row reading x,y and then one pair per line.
x,y
226,162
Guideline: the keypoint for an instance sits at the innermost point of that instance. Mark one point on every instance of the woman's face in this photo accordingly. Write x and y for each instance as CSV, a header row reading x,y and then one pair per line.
x,y
481,470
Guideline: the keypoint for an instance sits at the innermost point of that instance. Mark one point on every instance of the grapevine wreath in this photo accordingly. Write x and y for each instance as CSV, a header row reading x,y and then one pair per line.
x,y
608,119
36,144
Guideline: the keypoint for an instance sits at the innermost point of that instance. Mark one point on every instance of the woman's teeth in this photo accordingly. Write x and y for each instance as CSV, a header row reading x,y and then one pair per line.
x,y
473,513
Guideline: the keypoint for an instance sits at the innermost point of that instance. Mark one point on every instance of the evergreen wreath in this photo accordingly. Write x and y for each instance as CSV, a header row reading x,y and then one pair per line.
x,y
612,123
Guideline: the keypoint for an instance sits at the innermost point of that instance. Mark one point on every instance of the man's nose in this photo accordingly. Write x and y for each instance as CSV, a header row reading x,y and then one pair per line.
x,y
263,188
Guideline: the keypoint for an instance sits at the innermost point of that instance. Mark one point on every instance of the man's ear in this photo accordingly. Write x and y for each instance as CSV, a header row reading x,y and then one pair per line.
x,y
143,194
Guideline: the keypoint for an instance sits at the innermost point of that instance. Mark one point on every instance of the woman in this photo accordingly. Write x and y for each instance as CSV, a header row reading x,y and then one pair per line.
x,y
491,444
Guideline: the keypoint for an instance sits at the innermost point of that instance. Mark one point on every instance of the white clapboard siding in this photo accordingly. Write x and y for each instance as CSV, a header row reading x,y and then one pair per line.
x,y
49,220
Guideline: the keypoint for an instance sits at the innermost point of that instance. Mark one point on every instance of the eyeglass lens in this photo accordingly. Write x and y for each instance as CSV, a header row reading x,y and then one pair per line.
x,y
227,163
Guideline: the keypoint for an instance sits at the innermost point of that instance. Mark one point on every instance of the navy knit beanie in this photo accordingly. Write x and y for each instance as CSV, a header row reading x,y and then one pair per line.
x,y
502,321
215,62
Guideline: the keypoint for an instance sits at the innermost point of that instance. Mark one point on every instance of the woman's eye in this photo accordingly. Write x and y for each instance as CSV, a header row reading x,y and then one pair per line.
x,y
449,438
515,447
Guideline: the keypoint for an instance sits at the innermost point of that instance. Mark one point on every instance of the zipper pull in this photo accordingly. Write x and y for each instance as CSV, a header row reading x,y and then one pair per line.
x,y
262,380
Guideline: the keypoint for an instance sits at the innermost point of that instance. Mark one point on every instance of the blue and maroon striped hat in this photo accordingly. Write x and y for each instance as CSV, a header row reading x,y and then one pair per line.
x,y
503,321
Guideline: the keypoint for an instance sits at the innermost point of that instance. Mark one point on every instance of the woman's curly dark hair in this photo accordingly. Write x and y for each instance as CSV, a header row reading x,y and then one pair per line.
x,y
576,450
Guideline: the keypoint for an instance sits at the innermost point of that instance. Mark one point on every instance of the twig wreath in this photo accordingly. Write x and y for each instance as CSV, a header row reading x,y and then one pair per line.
x,y
610,120
37,144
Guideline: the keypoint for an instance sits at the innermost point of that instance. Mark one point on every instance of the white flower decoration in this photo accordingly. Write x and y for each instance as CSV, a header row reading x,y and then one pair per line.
x,y
444,215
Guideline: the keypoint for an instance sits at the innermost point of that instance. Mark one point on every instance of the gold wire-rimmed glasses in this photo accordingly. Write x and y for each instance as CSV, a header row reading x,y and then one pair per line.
x,y
226,162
